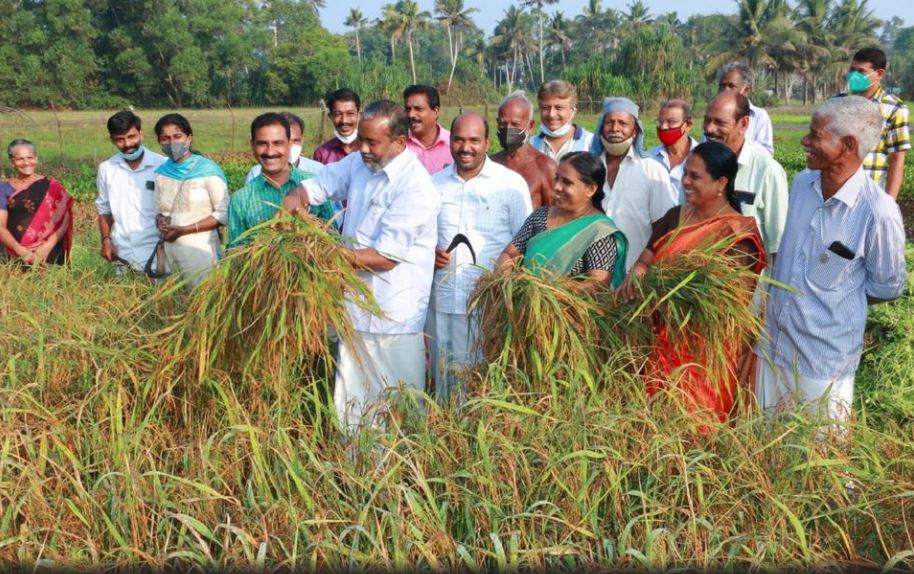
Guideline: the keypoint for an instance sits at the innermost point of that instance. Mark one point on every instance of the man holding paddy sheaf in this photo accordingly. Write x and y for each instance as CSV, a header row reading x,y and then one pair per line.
x,y
391,225
842,250
261,196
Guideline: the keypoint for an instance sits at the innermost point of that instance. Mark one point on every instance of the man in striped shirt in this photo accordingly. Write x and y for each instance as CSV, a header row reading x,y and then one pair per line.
x,y
885,161
842,250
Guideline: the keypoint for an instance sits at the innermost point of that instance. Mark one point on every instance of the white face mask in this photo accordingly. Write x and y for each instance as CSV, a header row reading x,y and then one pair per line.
x,y
347,139
562,131
294,153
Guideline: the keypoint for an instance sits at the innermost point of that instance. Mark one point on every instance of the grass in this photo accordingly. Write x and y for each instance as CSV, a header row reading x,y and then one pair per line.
x,y
103,460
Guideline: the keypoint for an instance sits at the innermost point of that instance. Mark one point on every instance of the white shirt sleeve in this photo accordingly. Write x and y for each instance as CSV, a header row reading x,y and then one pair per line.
x,y
664,195
219,196
102,202
333,181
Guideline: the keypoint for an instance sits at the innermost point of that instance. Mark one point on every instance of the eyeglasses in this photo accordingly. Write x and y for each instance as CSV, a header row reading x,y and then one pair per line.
x,y
861,70
663,125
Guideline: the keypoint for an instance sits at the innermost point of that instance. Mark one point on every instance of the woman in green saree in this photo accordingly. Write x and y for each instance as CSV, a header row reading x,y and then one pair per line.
x,y
573,236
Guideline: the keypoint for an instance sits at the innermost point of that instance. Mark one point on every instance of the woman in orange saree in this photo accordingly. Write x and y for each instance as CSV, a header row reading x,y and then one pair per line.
x,y
710,216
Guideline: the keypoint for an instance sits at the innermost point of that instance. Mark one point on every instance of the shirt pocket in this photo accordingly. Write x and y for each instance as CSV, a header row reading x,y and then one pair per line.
x,y
370,227
828,270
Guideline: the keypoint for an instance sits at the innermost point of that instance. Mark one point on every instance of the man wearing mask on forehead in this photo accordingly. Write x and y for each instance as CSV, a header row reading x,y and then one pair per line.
x,y
884,163
558,101
674,122
515,121
126,202
344,106
297,127
638,189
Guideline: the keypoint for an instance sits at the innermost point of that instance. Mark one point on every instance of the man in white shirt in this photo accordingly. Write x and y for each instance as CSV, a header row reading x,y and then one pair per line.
x,y
558,101
638,188
126,195
485,203
392,225
737,78
306,164
674,122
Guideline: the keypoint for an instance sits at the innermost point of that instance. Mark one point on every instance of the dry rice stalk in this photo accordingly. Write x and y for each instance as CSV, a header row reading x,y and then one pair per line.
x,y
537,323
702,298
265,310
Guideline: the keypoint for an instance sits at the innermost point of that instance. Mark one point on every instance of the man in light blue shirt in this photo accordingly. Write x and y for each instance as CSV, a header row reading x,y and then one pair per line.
x,y
842,250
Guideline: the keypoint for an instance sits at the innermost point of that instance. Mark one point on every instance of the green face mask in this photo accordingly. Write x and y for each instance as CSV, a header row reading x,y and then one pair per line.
x,y
858,82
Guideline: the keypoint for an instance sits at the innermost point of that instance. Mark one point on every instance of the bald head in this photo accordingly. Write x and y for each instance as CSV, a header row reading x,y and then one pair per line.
x,y
469,143
727,119
470,121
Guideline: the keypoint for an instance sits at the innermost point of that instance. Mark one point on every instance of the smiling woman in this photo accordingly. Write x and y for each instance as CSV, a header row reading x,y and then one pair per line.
x,y
36,221
574,236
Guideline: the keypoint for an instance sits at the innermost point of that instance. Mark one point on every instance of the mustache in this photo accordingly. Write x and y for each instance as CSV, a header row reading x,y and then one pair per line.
x,y
268,156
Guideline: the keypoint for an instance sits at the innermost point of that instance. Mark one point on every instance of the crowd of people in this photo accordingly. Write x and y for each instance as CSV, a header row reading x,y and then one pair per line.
x,y
426,212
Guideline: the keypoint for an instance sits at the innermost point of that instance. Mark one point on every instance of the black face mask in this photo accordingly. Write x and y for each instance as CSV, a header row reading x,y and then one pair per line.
x,y
511,139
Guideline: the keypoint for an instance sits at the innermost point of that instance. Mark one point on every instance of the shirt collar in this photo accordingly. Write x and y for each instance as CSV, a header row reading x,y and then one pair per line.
x,y
745,154
880,93
444,137
661,149
487,172
398,164
147,161
849,192
295,178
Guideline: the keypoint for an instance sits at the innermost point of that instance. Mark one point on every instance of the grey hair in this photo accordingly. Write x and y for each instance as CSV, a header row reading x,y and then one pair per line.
x,y
682,105
18,142
520,96
393,112
853,116
744,71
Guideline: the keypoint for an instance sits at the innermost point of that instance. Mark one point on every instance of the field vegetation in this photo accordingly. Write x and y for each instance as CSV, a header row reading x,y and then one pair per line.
x,y
105,458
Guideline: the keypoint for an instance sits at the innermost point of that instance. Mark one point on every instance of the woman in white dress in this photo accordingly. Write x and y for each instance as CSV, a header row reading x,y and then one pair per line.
x,y
192,198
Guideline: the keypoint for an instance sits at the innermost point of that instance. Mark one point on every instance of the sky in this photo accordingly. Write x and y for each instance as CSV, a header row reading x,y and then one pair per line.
x,y
490,11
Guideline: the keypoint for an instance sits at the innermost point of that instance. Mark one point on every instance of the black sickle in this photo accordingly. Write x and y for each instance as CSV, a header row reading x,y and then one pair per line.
x,y
458,239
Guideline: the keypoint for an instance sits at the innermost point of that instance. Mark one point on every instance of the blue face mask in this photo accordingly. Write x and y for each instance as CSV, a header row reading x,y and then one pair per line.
x,y
135,155
858,82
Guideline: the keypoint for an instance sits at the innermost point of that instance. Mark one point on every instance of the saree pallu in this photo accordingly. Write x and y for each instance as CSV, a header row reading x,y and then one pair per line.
x,y
683,362
560,248
38,212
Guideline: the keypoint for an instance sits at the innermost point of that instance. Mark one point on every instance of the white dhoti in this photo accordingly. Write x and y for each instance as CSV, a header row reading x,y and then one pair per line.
x,y
377,365
778,388
451,340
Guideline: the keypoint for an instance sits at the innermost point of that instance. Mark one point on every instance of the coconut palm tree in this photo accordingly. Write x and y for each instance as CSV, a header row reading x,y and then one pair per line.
x,y
356,21
538,6
389,25
638,14
453,17
559,35
410,19
511,41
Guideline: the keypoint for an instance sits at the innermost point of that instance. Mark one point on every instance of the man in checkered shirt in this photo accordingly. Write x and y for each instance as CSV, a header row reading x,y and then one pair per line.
x,y
885,164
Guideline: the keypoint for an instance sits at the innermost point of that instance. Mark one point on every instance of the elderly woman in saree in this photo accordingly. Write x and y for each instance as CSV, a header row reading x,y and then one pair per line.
x,y
192,198
710,217
573,236
36,212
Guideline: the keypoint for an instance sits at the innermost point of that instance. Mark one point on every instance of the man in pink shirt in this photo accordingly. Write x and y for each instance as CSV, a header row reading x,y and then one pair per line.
x,y
344,106
429,141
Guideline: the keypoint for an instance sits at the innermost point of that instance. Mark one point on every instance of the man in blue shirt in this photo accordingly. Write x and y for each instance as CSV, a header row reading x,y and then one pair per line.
x,y
842,250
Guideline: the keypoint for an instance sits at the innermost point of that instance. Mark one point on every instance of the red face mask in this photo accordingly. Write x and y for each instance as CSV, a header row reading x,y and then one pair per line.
x,y
669,136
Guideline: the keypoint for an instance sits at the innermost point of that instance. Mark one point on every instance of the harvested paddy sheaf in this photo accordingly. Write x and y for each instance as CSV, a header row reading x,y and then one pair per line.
x,y
266,314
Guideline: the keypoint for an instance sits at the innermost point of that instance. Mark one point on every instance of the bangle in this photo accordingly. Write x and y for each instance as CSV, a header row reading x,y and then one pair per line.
x,y
104,237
